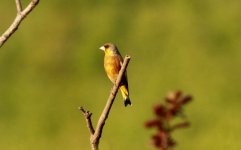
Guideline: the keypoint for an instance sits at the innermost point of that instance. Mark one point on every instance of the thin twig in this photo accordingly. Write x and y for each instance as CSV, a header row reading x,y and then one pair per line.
x,y
87,115
19,6
21,14
95,138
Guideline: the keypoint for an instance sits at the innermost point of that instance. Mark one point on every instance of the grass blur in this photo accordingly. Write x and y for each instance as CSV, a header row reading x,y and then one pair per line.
x,y
52,65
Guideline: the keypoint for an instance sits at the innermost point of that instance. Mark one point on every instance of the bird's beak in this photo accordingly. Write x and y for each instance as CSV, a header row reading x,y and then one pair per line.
x,y
102,48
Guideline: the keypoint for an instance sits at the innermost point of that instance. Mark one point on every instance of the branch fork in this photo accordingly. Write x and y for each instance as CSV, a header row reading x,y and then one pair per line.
x,y
21,14
95,134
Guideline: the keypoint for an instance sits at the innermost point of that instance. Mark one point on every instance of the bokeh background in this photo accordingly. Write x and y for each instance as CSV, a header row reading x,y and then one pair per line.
x,y
52,65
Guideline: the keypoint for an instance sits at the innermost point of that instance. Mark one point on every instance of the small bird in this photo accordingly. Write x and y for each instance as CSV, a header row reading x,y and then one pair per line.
x,y
112,64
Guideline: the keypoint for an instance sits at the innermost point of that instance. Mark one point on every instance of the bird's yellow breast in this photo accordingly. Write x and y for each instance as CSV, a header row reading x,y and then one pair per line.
x,y
109,52
112,66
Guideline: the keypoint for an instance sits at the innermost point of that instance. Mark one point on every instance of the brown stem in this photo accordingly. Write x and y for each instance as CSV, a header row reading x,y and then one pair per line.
x,y
21,14
87,115
19,6
95,138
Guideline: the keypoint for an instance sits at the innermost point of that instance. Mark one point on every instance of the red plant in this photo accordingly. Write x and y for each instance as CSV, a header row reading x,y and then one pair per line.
x,y
164,114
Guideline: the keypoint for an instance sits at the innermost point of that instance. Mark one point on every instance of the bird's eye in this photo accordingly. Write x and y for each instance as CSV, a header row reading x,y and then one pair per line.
x,y
106,46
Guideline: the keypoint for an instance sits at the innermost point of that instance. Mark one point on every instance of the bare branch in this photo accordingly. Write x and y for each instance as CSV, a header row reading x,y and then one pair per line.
x,y
95,138
87,116
21,14
19,6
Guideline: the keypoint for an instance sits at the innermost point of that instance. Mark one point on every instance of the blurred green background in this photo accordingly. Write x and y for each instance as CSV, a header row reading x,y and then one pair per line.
x,y
52,65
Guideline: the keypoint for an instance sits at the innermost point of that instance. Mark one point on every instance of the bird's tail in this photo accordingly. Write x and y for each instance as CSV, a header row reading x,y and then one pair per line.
x,y
127,101
125,95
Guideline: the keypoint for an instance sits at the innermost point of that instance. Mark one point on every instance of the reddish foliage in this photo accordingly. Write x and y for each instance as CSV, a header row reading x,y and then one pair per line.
x,y
164,114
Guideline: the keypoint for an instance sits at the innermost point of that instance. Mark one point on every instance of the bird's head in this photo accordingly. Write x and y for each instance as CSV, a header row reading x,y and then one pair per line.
x,y
109,48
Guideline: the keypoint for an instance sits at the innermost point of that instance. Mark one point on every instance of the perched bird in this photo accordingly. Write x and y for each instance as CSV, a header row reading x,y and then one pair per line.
x,y
112,64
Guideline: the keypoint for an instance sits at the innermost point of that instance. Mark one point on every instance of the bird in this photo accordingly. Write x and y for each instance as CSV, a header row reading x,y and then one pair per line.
x,y
112,65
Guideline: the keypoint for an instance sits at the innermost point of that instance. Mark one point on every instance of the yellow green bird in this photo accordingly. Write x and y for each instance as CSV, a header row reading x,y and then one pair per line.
x,y
112,64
